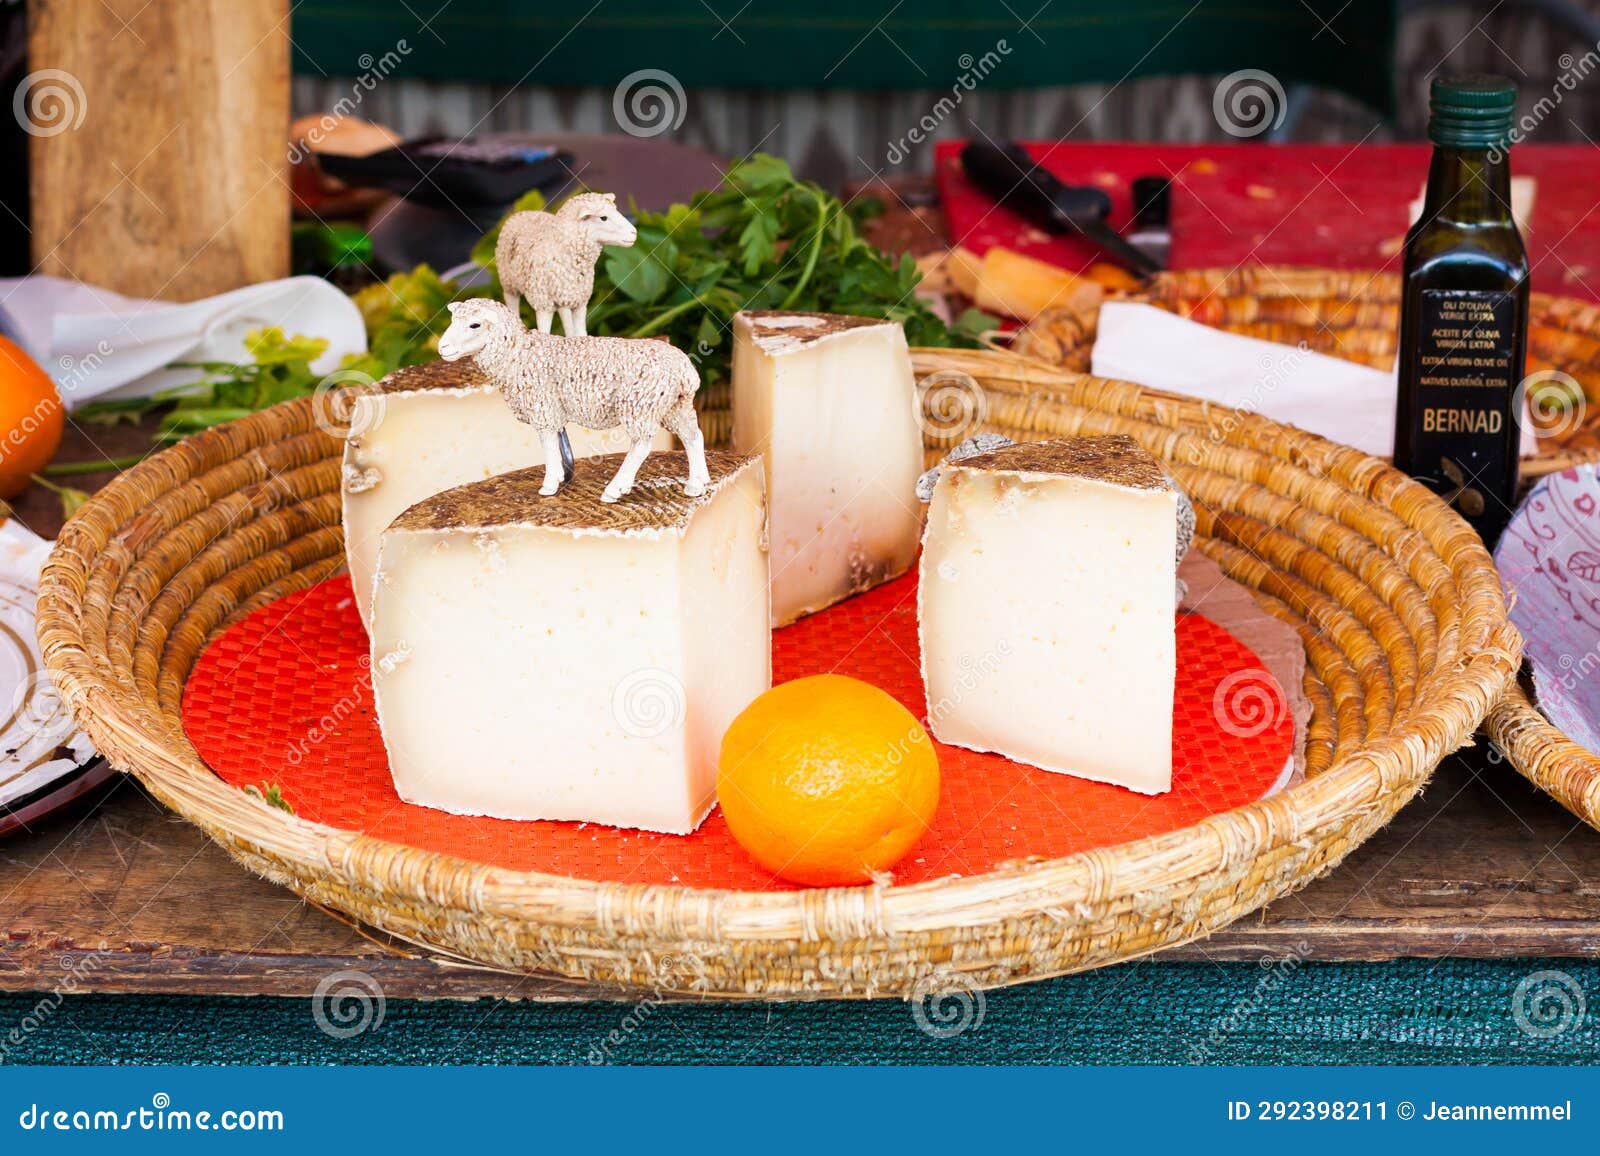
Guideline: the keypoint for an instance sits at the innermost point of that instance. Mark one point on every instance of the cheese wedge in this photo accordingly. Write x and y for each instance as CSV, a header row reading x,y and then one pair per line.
x,y
424,429
1047,601
829,404
559,658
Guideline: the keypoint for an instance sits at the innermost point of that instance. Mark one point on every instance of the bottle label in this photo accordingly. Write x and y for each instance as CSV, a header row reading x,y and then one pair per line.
x,y
1463,425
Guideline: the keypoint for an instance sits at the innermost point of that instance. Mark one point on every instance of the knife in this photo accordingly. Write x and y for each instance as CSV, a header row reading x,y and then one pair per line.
x,y
1152,218
1007,173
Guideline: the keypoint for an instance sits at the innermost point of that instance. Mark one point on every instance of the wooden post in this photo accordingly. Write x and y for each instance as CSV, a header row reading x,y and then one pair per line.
x,y
159,158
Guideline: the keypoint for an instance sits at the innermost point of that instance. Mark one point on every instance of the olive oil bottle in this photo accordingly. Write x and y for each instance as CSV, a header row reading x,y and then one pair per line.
x,y
1464,310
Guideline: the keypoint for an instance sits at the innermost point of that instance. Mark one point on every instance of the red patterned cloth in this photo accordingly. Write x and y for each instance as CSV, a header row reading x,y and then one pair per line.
x,y
1337,206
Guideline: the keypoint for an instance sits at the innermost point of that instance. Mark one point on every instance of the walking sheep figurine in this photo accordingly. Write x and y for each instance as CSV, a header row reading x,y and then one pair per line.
x,y
548,258
639,384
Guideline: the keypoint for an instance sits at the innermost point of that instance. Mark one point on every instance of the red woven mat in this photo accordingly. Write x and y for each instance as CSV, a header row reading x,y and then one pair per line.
x,y
285,697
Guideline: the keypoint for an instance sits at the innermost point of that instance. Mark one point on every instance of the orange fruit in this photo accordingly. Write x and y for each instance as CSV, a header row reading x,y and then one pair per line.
x,y
31,417
827,780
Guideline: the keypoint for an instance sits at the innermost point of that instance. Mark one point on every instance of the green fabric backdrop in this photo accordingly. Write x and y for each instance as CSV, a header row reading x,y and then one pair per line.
x,y
919,44
1408,1012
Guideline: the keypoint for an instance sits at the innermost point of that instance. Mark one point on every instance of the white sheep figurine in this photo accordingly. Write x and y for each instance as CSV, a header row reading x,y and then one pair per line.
x,y
639,384
548,258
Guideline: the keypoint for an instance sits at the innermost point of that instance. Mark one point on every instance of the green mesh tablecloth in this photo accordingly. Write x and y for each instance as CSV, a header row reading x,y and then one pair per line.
x,y
1408,1012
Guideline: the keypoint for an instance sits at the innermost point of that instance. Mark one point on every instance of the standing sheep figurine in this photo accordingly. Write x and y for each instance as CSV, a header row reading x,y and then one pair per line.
x,y
640,384
548,258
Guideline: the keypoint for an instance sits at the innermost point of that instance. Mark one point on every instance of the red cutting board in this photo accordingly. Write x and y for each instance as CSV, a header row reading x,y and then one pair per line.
x,y
284,697
1340,206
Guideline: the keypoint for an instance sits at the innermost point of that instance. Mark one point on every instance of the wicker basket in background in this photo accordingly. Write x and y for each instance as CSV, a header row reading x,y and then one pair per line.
x,y
1400,609
1355,315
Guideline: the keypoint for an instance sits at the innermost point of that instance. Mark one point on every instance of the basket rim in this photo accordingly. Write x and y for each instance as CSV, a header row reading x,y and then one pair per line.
x,y
1359,777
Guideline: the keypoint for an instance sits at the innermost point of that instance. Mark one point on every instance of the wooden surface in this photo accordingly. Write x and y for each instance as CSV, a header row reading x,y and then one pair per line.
x,y
169,177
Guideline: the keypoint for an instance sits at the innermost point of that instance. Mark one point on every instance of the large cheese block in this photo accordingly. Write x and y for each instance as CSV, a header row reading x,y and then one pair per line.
x,y
560,658
424,429
1047,607
829,404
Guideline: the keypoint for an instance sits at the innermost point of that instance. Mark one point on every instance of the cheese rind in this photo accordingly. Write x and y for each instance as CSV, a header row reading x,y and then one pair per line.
x,y
829,403
1046,606
424,429
556,658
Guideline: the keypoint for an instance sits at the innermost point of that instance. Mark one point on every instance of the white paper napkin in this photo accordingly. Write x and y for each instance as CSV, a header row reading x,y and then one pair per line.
x,y
1341,400
98,344
39,741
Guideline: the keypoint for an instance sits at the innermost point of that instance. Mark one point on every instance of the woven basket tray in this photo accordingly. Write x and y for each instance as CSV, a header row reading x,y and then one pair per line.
x,y
1401,612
